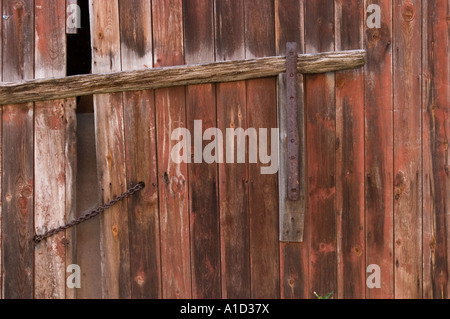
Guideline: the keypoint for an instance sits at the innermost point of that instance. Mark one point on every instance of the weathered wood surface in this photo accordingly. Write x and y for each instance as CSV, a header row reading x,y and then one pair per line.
x,y
160,77
350,157
140,150
379,151
435,141
289,27
407,149
110,149
291,212
321,152
49,153
233,178
210,231
263,188
170,106
203,179
70,165
17,155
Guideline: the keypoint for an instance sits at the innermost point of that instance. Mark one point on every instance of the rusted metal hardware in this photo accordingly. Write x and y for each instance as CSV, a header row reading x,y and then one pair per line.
x,y
292,120
136,188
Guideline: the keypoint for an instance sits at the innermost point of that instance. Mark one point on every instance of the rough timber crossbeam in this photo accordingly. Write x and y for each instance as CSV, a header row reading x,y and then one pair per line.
x,y
228,71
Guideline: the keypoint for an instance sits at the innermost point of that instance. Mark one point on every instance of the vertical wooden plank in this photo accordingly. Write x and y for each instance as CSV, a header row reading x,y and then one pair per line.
x,y
407,149
350,156
203,192
321,151
436,131
233,177
50,206
70,165
173,177
140,141
263,188
49,152
379,150
88,195
289,27
105,35
17,150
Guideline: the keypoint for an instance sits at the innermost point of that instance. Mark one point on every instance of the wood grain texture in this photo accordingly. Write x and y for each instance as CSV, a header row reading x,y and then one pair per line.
x,y
436,132
376,157
70,165
115,263
292,213
407,16
173,178
17,150
140,149
321,151
146,79
379,150
289,27
50,209
49,153
263,188
350,156
233,178
203,180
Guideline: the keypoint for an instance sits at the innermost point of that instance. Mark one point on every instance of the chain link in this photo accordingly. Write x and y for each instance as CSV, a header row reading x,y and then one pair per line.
x,y
38,238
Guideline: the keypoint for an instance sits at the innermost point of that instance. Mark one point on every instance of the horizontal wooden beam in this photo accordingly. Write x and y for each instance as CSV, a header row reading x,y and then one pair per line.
x,y
228,71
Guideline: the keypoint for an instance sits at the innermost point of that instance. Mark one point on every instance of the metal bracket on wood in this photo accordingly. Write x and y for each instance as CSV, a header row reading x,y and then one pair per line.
x,y
292,120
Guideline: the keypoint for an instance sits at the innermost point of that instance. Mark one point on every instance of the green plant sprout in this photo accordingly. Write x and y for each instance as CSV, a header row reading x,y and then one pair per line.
x,y
321,297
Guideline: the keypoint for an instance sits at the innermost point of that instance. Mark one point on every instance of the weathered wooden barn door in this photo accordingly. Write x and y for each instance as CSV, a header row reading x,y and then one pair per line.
x,y
173,247
125,132
373,156
37,154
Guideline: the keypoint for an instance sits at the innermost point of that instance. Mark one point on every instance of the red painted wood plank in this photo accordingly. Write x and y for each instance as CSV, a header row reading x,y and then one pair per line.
x,y
263,188
17,150
321,148
350,156
140,152
203,189
436,132
49,152
379,150
294,262
233,178
407,16
109,119
173,178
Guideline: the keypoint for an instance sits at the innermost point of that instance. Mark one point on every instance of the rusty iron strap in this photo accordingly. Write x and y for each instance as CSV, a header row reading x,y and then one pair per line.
x,y
292,120
136,188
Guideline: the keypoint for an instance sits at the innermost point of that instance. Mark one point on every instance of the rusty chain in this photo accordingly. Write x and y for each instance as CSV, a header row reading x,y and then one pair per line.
x,y
38,238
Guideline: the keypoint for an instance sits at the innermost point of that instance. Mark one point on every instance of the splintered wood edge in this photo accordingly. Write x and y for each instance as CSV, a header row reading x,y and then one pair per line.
x,y
155,78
